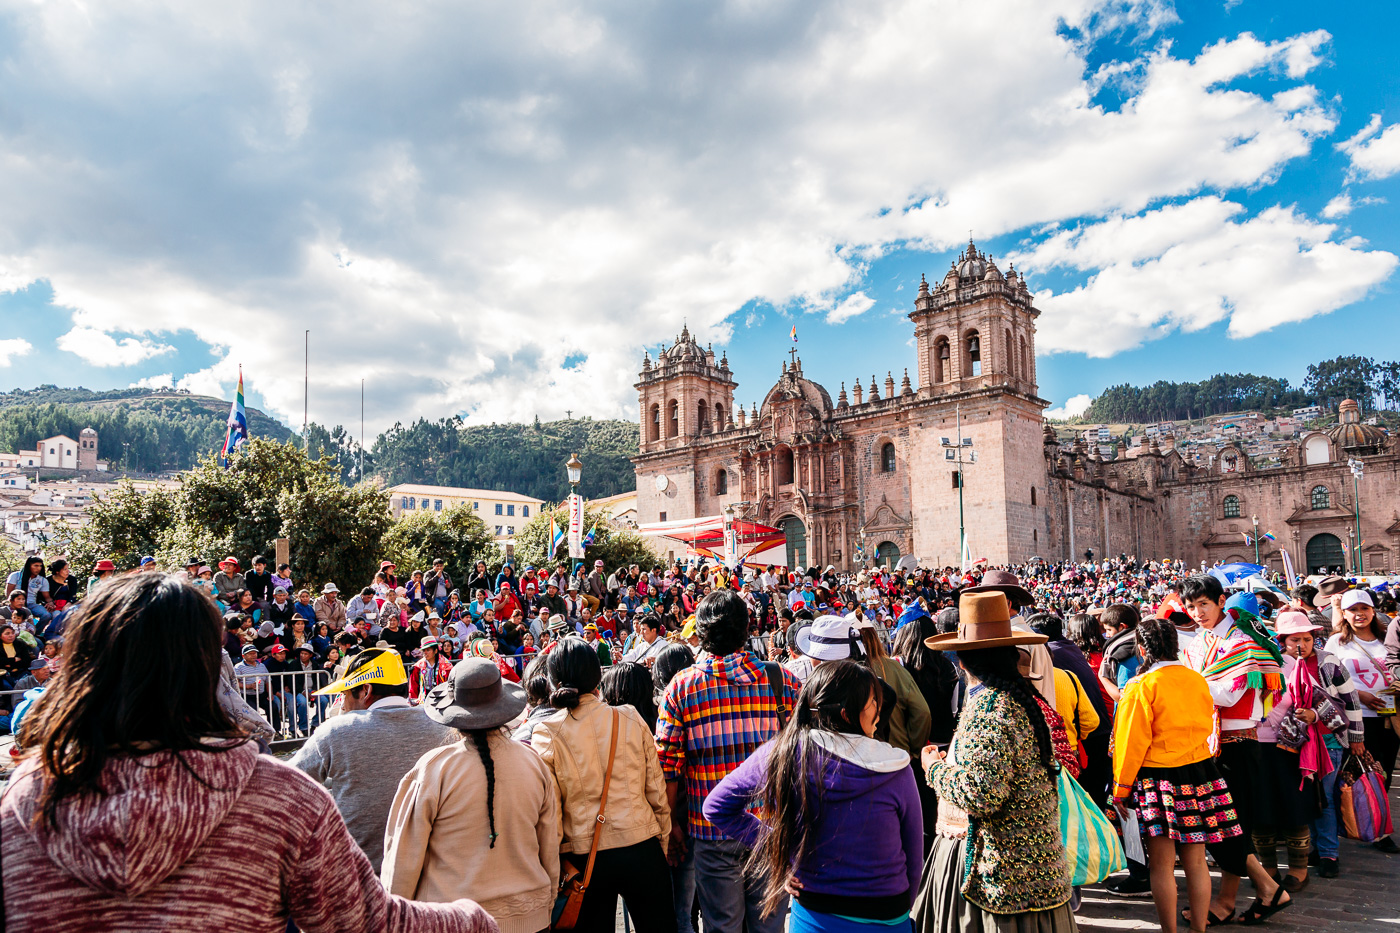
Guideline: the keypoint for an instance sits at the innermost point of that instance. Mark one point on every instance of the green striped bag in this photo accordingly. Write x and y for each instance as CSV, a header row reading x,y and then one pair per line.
x,y
1091,843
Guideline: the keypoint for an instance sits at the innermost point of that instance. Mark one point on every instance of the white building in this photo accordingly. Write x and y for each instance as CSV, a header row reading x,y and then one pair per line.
x,y
504,513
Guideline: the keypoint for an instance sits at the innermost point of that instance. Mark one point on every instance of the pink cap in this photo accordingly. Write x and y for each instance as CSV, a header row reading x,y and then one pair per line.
x,y
1293,622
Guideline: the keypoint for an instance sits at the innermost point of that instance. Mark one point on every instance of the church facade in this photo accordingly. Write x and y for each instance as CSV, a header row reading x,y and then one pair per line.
x,y
898,468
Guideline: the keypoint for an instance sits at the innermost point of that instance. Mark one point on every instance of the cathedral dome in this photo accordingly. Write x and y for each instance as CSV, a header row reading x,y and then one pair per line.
x,y
1350,434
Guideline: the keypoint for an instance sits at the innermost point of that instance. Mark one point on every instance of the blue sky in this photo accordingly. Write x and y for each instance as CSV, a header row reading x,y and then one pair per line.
x,y
492,212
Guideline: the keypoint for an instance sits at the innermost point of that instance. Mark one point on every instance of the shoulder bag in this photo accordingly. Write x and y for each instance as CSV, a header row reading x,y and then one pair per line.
x,y
573,882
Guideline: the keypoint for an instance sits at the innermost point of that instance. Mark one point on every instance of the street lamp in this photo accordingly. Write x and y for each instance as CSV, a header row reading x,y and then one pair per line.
x,y
953,450
1255,519
1357,468
575,468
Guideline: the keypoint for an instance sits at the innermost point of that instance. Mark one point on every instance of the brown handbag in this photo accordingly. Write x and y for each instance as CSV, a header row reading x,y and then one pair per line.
x,y
573,882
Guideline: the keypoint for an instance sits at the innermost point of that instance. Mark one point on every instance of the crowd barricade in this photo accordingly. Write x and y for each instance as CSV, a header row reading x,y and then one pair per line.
x,y
286,699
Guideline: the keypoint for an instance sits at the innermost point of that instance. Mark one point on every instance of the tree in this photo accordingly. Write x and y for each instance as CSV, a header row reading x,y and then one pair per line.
x,y
335,532
457,535
612,545
122,526
1353,377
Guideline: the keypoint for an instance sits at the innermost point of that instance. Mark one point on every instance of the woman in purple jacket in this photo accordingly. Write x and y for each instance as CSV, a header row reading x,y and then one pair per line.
x,y
833,797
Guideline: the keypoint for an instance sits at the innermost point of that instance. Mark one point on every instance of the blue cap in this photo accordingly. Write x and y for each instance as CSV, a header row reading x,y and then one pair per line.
x,y
147,560
1246,604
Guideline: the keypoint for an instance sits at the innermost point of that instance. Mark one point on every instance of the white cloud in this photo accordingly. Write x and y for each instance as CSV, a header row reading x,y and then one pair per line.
x,y
1189,266
162,381
1374,153
519,182
1073,407
102,349
849,307
1339,206
13,347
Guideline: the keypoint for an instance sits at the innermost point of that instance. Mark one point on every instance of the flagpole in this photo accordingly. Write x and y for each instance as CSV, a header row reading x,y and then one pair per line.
x,y
362,430
306,393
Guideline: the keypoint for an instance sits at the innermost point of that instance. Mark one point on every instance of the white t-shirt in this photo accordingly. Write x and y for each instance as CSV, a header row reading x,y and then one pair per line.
x,y
37,584
1365,661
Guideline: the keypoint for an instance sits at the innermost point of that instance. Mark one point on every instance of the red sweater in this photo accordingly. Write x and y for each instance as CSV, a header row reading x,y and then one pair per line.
x,y
258,843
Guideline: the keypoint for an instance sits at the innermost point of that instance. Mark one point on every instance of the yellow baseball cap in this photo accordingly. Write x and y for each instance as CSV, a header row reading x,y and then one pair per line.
x,y
688,630
374,666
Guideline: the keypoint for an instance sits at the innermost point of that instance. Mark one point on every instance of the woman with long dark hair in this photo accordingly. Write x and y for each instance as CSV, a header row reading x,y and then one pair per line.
x,y
479,815
30,581
629,684
997,862
829,789
635,820
139,789
905,718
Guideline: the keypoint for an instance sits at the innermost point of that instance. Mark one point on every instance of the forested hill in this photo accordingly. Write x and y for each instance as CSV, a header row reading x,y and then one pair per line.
x,y
524,458
1362,378
140,430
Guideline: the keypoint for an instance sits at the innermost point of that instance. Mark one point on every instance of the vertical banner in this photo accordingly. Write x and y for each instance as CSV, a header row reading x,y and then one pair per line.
x,y
576,526
1288,569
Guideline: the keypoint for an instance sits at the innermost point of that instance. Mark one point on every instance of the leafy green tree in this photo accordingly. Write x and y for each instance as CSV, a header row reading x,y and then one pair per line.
x,y
1354,377
457,535
335,532
340,446
614,546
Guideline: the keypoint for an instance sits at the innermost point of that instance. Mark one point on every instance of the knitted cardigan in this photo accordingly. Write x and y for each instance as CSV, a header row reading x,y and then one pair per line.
x,y
1017,858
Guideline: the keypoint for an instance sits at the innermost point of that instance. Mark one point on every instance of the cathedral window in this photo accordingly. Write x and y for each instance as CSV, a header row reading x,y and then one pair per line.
x,y
673,426
722,482
656,422
782,466
1232,506
1032,495
887,458
1320,497
941,360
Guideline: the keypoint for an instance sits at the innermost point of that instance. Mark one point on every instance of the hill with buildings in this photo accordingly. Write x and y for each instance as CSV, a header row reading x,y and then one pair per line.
x,y
139,430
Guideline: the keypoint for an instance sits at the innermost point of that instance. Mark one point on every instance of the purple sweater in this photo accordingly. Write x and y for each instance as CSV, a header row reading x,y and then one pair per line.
x,y
869,799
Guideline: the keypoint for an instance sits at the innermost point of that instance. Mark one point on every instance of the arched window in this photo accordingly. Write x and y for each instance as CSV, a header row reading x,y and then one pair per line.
x,y
782,466
410,502
973,342
654,431
887,458
1320,497
942,365
1010,354
1025,362
1232,506
1032,495
673,426
722,482
702,415
719,417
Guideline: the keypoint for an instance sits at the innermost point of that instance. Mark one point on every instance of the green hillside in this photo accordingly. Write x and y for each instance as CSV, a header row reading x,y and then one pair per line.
x,y
140,430
524,458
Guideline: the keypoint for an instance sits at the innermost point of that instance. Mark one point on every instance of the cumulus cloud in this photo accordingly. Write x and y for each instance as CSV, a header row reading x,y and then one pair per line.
x,y
162,381
13,347
1073,407
100,348
1189,266
849,307
1339,206
1374,152
455,200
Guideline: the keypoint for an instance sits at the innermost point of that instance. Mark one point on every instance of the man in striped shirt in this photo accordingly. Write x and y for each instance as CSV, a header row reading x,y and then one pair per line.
x,y
711,718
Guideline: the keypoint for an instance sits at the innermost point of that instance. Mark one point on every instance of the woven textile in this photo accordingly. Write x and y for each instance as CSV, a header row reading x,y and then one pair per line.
x,y
711,718
1190,803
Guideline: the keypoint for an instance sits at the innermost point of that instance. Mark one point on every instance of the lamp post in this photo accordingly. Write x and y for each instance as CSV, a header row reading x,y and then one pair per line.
x,y
575,469
1255,519
954,450
1357,468
731,549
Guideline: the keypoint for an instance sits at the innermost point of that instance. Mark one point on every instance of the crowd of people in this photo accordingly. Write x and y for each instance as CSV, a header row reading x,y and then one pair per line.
x,y
745,749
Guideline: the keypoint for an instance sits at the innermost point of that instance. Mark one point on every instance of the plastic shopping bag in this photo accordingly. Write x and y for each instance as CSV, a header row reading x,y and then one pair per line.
x,y
1091,845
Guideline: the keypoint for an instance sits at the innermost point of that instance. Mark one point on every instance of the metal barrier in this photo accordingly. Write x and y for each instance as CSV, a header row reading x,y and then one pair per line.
x,y
284,698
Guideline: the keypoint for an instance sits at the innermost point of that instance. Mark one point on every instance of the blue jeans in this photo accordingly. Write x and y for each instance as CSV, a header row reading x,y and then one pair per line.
x,y
1324,828
440,604
285,702
41,612
683,885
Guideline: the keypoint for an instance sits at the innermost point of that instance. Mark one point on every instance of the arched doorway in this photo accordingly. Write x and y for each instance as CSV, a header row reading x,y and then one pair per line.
x,y
1325,554
796,534
887,554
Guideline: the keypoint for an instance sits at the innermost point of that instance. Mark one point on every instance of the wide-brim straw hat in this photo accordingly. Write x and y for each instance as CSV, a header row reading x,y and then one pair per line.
x,y
474,696
984,621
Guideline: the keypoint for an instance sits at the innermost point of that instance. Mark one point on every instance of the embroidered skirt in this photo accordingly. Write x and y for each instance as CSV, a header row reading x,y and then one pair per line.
x,y
1189,803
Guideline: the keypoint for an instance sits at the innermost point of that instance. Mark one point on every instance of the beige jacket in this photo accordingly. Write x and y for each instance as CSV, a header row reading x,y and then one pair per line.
x,y
574,745
438,843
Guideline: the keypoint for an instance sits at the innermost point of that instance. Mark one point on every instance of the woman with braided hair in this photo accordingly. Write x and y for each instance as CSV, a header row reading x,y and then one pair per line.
x,y
997,863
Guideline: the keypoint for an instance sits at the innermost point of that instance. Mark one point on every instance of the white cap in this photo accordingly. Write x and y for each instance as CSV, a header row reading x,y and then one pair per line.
x,y
1356,598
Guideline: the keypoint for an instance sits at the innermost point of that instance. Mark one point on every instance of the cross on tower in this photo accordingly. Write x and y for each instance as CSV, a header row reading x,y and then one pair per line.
x,y
792,351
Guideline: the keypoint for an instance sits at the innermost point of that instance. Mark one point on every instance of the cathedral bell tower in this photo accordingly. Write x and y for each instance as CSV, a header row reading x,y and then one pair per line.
x,y
975,329
684,394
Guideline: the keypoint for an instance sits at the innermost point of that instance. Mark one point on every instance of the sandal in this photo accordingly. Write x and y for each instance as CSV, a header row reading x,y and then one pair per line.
x,y
1211,919
1259,911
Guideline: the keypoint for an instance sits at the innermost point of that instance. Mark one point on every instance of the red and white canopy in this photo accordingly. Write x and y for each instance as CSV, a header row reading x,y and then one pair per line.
x,y
757,542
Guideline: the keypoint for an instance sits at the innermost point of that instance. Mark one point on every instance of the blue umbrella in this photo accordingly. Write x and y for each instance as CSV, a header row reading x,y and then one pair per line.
x,y
1229,573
